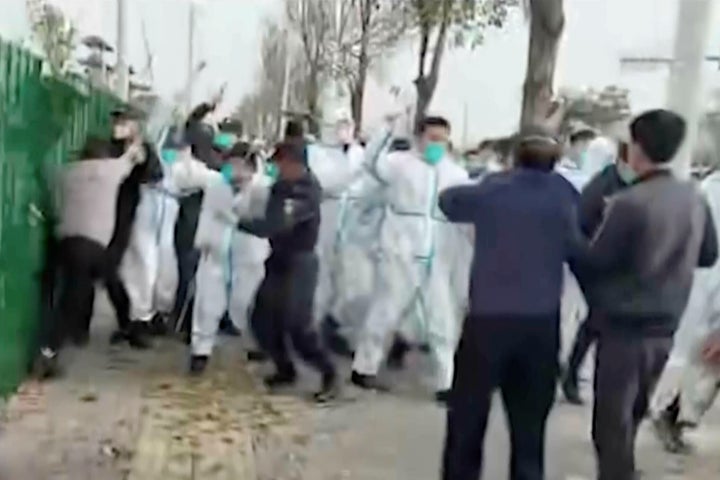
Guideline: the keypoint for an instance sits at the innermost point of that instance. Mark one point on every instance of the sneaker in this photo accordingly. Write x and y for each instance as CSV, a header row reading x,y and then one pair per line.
x,y
198,364
367,382
280,379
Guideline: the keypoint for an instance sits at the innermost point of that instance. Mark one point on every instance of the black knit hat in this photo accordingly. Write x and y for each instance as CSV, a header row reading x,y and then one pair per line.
x,y
659,133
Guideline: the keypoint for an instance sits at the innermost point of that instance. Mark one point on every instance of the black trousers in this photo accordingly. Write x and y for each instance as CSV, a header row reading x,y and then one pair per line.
x,y
586,336
518,355
81,262
627,370
284,312
188,260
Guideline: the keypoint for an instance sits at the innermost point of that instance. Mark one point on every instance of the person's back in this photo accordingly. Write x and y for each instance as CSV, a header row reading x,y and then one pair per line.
x,y
667,222
521,220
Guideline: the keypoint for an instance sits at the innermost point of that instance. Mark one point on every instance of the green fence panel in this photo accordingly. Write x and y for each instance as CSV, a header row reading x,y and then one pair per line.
x,y
43,122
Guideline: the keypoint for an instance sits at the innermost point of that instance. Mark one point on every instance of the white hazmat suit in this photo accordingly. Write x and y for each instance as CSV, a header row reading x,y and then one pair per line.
x,y
417,274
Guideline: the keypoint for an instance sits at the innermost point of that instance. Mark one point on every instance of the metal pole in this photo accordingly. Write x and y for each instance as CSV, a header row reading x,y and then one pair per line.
x,y
122,82
685,87
191,54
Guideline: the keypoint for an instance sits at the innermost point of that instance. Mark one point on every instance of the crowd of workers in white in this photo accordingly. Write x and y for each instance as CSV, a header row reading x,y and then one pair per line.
x,y
370,250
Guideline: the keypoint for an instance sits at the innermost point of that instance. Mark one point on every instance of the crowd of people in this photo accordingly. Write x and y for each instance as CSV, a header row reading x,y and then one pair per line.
x,y
371,250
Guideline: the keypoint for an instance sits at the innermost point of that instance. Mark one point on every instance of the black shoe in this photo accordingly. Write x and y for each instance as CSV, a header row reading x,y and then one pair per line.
x,y
228,329
256,356
669,433
198,364
46,365
571,391
367,382
334,341
280,380
118,337
330,389
442,397
158,326
138,336
396,357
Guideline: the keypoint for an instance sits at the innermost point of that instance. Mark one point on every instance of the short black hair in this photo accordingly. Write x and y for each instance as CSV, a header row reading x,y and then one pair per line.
x,y
231,125
435,121
95,147
126,112
289,151
294,129
659,133
239,149
536,148
176,139
583,135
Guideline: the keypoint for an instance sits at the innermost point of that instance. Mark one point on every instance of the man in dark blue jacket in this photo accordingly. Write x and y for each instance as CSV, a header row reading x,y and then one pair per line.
x,y
526,229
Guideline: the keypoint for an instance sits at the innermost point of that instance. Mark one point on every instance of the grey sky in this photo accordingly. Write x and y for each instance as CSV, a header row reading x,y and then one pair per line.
x,y
487,79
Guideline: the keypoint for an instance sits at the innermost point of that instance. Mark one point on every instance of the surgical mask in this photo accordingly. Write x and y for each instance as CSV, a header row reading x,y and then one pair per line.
x,y
169,156
272,171
434,152
227,173
626,173
121,131
224,140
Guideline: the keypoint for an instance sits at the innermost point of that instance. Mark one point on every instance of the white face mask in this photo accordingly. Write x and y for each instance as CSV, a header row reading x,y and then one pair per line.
x,y
122,131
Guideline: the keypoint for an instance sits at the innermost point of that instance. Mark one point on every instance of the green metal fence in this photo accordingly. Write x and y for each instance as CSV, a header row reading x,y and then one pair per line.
x,y
43,120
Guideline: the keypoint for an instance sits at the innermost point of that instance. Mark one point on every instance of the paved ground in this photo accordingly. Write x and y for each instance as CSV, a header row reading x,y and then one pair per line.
x,y
127,415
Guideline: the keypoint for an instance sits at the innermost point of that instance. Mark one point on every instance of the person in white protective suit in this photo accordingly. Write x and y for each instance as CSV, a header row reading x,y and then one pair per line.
x,y
230,267
696,349
336,167
149,266
420,257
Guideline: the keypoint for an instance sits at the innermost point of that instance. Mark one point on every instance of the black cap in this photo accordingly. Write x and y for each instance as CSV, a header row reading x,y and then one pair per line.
x,y
126,112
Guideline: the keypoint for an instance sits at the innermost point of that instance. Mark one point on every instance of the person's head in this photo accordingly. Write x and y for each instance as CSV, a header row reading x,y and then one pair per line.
x,y
94,148
294,131
125,124
289,161
174,145
536,149
579,141
434,138
231,125
655,138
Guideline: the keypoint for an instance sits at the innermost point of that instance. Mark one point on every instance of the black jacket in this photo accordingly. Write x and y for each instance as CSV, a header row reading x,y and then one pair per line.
x,y
292,218
594,196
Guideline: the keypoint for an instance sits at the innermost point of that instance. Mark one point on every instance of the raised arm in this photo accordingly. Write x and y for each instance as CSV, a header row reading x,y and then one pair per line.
x,y
460,203
282,214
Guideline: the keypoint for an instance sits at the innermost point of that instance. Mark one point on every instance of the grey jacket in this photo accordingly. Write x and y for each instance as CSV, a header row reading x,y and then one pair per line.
x,y
642,259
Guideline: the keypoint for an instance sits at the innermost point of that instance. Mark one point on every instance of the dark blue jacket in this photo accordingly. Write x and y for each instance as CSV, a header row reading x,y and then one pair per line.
x,y
525,229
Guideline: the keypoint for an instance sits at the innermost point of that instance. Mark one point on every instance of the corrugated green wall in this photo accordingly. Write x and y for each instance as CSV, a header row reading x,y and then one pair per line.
x,y
43,121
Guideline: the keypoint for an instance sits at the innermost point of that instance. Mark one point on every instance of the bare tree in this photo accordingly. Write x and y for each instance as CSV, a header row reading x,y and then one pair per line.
x,y
368,30
438,22
547,21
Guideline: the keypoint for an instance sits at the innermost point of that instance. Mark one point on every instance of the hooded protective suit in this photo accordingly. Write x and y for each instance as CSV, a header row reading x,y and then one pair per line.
x,y
418,271
149,266
698,383
231,263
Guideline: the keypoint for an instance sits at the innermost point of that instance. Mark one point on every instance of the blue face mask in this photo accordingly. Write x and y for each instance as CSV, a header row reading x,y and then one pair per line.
x,y
169,156
272,171
224,141
227,173
434,152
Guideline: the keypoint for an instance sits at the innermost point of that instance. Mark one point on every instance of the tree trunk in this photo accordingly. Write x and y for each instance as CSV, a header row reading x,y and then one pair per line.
x,y
547,21
425,84
357,90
